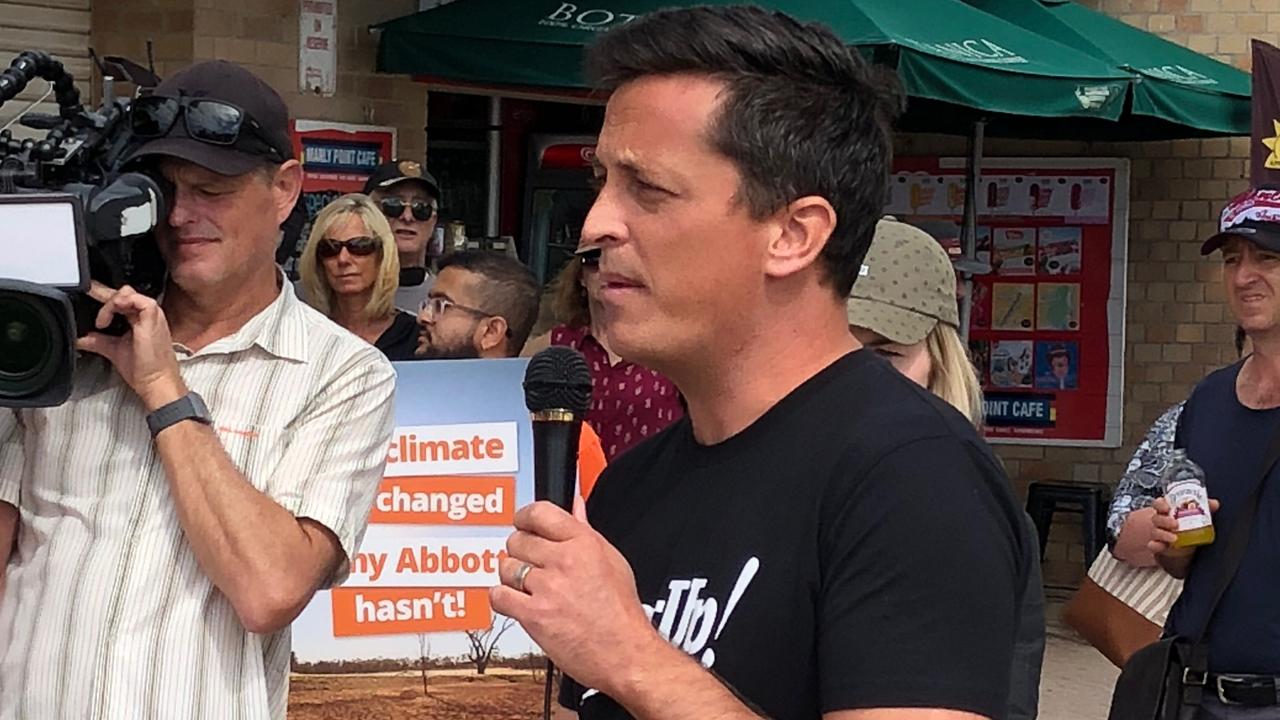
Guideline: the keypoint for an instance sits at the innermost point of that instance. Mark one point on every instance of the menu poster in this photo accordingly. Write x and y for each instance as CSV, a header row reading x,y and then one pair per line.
x,y
1046,326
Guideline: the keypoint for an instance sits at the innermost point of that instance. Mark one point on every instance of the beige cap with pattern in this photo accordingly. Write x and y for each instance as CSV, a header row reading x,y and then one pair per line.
x,y
907,285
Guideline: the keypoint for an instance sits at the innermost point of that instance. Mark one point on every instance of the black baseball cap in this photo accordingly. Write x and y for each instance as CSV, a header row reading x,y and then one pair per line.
x,y
1253,215
397,171
231,83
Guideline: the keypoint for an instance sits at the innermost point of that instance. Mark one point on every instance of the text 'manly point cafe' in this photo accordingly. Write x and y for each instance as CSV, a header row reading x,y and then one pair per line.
x,y
1046,306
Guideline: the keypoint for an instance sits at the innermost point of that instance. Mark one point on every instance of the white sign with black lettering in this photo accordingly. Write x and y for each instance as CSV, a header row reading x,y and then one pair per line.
x,y
318,47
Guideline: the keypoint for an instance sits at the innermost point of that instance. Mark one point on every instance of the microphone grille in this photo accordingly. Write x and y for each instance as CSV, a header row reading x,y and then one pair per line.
x,y
558,379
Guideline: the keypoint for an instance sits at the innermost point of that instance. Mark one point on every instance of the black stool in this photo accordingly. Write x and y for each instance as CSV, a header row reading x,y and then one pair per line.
x,y
1090,501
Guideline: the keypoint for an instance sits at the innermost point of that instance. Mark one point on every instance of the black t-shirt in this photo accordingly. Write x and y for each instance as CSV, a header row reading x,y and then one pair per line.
x,y
858,546
400,341
1229,441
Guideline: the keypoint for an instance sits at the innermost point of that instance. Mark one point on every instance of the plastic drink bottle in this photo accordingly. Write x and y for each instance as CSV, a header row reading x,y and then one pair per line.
x,y
1185,490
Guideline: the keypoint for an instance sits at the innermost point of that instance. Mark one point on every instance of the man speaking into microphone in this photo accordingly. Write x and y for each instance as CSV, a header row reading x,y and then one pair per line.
x,y
819,537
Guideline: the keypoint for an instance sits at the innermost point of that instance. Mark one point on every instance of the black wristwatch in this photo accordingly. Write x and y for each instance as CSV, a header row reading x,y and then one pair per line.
x,y
188,407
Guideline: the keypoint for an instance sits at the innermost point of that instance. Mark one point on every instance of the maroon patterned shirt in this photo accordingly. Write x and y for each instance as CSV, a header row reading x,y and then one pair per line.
x,y
628,402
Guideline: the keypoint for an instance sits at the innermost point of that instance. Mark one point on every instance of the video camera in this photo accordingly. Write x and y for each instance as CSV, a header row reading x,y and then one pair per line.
x,y
68,214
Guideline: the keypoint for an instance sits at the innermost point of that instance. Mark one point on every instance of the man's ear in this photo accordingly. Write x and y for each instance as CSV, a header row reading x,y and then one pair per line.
x,y
803,229
491,334
287,186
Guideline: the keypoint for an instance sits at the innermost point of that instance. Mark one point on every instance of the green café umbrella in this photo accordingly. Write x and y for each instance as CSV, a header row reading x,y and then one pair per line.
x,y
943,50
1174,84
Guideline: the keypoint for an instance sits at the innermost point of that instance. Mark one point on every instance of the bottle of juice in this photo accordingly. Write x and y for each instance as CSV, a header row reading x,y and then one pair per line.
x,y
1185,491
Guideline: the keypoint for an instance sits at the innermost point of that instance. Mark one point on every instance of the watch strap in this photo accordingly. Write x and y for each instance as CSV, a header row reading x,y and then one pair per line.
x,y
188,407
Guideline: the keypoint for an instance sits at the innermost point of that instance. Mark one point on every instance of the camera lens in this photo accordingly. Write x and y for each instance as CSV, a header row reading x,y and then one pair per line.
x,y
37,351
26,346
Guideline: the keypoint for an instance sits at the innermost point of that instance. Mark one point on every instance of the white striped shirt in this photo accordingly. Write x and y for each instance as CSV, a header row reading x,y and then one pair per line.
x,y
1149,590
106,613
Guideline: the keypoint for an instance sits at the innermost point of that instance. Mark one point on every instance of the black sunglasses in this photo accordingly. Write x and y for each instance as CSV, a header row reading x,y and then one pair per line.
x,y
590,258
357,246
394,207
214,122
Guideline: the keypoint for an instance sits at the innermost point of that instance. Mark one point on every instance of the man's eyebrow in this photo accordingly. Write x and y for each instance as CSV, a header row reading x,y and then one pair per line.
x,y
628,164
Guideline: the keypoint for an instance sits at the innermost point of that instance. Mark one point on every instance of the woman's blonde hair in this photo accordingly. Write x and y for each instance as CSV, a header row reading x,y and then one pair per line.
x,y
314,281
952,376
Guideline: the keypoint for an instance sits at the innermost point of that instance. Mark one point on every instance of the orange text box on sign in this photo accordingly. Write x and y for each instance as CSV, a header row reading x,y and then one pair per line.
x,y
445,500
396,611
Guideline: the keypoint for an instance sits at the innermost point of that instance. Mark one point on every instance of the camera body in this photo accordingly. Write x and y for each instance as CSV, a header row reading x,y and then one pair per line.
x,y
69,214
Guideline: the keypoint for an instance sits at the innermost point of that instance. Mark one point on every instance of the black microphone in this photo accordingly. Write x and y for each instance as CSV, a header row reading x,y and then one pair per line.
x,y
557,391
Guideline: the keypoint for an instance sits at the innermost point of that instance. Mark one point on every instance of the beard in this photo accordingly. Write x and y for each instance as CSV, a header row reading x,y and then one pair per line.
x,y
457,352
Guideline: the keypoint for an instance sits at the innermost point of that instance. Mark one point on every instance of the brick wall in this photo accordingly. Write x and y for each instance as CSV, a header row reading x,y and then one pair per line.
x,y
263,36
169,23
1178,327
1220,28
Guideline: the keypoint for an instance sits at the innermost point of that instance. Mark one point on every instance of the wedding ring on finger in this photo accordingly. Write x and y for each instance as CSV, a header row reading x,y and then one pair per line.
x,y
521,573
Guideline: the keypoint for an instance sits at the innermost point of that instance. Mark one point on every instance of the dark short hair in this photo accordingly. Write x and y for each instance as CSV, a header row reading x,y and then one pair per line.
x,y
803,114
510,291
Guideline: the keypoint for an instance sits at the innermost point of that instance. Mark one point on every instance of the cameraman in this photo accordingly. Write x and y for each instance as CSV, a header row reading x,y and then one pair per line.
x,y
163,548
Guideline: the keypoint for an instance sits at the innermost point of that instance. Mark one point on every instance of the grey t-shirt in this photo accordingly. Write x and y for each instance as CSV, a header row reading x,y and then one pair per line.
x,y
409,297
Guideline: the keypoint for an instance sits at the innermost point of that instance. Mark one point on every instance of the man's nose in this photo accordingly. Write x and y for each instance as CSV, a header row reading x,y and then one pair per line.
x,y
180,213
604,221
1246,271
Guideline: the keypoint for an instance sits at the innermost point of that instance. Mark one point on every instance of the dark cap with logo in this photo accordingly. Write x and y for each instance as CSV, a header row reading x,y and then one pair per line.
x,y
393,173
230,83
1253,215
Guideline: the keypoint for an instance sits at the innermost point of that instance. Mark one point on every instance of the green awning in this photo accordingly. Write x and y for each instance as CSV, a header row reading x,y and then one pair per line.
x,y
1173,83
944,50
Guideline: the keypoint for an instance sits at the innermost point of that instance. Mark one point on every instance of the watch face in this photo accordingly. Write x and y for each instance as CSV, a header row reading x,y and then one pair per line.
x,y
198,406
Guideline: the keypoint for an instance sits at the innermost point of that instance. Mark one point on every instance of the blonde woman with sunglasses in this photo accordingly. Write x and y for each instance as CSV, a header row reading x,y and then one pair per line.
x,y
350,270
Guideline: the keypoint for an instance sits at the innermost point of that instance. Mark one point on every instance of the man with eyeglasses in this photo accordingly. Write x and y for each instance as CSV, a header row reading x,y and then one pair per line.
x,y
216,464
410,197
483,305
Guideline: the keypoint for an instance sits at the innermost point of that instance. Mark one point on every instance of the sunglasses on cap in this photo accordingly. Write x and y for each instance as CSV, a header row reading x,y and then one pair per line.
x,y
214,122
357,246
393,207
590,259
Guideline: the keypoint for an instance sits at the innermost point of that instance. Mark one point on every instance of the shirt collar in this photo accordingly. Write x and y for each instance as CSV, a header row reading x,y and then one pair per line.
x,y
279,328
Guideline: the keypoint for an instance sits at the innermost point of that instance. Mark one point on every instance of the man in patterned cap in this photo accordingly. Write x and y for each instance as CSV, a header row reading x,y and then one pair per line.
x,y
410,198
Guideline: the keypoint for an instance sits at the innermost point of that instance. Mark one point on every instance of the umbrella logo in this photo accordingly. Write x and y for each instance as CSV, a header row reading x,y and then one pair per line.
x,y
979,50
1093,97
1178,74
570,16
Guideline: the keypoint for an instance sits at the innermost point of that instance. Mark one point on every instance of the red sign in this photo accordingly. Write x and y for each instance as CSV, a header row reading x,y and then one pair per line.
x,y
1046,325
566,157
